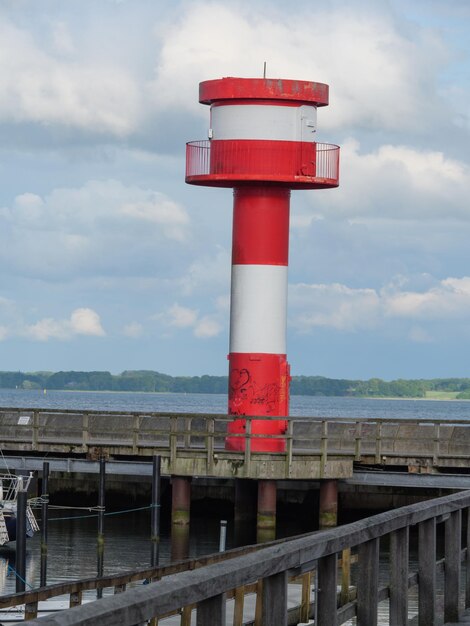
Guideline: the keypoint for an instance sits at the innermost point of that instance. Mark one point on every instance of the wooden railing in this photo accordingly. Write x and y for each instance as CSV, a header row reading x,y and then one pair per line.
x,y
205,589
193,444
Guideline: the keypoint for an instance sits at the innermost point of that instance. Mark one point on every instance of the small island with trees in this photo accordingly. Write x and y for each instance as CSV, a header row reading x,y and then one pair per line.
x,y
150,381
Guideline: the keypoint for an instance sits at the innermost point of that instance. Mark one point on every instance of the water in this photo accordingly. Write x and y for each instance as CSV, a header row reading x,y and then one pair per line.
x,y
317,406
72,543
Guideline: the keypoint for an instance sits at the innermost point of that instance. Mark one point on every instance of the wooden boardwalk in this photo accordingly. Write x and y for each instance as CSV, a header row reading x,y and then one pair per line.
x,y
194,444
267,570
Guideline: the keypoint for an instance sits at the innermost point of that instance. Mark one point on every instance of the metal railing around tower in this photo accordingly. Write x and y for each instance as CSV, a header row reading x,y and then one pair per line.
x,y
276,161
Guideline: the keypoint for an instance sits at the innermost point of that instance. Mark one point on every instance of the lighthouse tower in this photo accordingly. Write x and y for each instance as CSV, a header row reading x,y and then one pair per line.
x,y
262,143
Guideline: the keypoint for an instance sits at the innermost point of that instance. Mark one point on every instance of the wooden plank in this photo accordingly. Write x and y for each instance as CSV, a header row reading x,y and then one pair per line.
x,y
427,573
306,597
186,615
30,611
211,611
247,447
210,445
327,574
239,605
259,603
345,575
368,585
75,599
453,530
324,448
399,560
190,587
274,600
467,560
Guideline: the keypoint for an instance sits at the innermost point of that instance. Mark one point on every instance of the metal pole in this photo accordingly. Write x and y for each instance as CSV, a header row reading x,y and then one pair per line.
x,y
45,521
21,504
101,510
155,517
223,535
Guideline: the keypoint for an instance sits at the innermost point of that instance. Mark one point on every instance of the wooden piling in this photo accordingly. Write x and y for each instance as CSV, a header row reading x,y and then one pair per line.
x,y
44,522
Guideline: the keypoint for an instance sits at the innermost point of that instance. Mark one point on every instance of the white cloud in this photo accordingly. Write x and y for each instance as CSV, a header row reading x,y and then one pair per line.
x,y
335,306
45,89
83,321
207,327
347,309
382,75
448,300
181,317
101,227
202,327
394,182
159,210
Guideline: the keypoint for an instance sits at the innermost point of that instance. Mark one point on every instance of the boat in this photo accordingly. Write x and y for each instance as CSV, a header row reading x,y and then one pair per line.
x,y
9,487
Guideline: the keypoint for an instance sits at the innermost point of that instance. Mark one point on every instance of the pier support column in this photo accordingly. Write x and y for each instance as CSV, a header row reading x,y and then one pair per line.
x,y
328,516
180,516
180,500
266,517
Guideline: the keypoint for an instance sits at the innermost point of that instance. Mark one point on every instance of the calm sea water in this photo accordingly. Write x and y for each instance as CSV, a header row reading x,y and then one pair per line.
x,y
217,403
72,542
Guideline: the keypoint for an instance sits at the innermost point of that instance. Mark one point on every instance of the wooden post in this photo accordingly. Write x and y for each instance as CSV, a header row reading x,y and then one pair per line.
x,y
427,573
266,517
274,600
212,611
345,575
368,587
21,505
328,516
399,559
453,530
467,561
101,510
306,597
155,517
44,522
327,572
239,605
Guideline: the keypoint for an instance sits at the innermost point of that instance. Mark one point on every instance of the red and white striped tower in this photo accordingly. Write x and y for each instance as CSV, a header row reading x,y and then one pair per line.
x,y
261,143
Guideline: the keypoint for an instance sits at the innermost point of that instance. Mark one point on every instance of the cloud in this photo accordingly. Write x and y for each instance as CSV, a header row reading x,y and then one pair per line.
x,y
394,182
382,74
347,309
43,88
102,227
382,70
450,299
207,327
83,321
334,306
180,317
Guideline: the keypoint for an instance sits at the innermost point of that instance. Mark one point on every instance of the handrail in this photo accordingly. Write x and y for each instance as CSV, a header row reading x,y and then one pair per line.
x,y
205,587
315,447
223,162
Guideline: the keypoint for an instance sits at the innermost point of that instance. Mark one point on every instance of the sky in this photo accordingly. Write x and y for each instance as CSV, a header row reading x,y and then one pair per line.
x,y
109,261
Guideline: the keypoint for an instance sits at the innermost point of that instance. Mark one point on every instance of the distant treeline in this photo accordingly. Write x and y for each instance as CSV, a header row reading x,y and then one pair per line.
x,y
147,380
